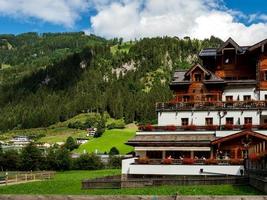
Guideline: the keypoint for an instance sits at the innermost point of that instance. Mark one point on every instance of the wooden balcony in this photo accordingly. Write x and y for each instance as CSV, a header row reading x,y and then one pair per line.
x,y
210,105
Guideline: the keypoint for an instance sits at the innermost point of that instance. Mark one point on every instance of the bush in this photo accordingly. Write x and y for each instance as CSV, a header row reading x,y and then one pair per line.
x,y
89,162
71,144
119,124
114,151
114,162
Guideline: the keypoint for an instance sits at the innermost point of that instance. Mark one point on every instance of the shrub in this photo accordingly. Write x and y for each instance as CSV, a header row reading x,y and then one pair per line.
x,y
188,161
170,128
89,162
114,151
114,162
119,124
211,162
167,161
143,160
71,144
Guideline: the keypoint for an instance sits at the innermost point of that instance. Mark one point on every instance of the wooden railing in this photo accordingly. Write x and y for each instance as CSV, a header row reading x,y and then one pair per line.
x,y
211,105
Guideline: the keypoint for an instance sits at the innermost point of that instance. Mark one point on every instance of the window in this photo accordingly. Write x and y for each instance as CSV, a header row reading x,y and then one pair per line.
x,y
186,98
229,120
184,121
209,98
247,97
265,97
209,121
229,98
197,77
248,120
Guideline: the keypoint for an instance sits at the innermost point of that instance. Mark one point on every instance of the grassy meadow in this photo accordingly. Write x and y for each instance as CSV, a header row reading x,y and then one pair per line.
x,y
110,138
69,183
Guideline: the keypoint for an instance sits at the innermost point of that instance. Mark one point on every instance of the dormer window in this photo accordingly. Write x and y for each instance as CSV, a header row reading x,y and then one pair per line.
x,y
197,77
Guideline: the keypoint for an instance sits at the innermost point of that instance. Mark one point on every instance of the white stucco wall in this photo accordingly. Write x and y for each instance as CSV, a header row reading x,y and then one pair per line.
x,y
262,94
198,117
129,168
240,92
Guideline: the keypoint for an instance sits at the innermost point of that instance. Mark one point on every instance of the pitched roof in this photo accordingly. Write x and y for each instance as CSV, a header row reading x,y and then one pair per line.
x,y
179,77
240,134
232,42
257,45
197,66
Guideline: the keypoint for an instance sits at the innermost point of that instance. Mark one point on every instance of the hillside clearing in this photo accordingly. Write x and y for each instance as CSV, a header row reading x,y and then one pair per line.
x,y
110,138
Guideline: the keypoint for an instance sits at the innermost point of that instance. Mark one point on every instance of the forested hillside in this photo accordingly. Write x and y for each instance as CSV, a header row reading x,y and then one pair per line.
x,y
52,77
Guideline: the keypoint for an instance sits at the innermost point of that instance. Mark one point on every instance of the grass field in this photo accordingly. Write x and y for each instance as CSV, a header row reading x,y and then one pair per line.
x,y
53,134
69,183
110,138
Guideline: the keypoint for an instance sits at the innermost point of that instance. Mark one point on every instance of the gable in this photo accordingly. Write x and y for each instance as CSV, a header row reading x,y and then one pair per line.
x,y
229,44
245,133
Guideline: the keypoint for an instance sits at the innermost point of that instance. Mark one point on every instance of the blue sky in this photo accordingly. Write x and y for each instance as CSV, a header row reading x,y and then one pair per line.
x,y
244,20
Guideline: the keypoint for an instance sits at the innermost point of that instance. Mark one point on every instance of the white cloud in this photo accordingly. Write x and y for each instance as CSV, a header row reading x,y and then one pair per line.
x,y
63,12
194,18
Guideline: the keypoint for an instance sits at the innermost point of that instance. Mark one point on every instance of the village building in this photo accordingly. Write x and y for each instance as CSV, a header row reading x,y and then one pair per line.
x,y
216,122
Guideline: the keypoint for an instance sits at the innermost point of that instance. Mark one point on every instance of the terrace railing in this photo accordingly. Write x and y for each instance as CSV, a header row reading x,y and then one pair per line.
x,y
211,105
147,128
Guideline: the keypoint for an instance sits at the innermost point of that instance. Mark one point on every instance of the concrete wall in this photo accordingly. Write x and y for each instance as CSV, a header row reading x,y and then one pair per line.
x,y
198,117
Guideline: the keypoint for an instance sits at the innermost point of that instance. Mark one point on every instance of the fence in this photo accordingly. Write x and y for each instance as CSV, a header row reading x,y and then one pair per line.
x,y
19,177
107,183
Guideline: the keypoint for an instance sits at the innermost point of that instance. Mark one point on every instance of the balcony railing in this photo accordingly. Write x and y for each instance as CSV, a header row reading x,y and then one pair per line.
x,y
149,127
211,105
189,161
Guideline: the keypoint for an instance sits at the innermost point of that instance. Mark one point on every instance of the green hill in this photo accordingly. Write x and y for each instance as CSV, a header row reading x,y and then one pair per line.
x,y
110,138
53,77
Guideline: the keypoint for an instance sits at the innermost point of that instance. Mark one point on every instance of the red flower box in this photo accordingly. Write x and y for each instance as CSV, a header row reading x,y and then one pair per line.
x,y
211,162
228,127
236,162
170,128
211,127
143,160
189,127
167,161
188,161
247,126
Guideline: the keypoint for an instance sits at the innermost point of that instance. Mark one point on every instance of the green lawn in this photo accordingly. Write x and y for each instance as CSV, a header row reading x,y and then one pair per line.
x,y
110,138
69,183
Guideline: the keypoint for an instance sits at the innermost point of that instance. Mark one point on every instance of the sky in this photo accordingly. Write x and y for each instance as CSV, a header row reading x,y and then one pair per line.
x,y
243,20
